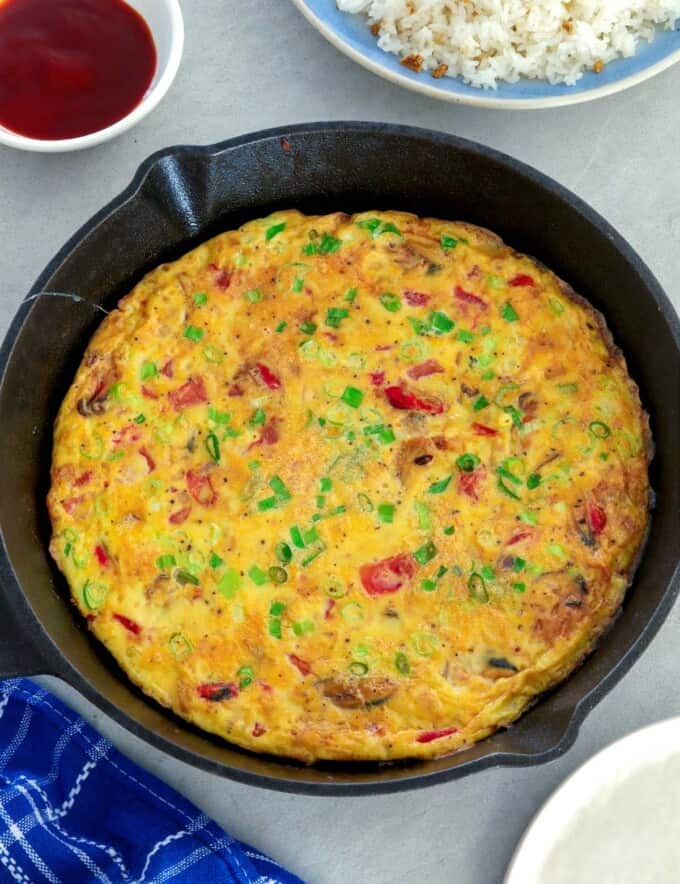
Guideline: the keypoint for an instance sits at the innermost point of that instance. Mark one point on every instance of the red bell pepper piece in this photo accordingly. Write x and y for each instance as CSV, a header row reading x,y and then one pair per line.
x,y
519,536
180,516
83,478
102,556
130,625
217,690
193,392
258,730
167,369
266,376
70,503
200,488
468,483
423,369
148,393
415,299
235,390
387,575
522,279
482,430
301,665
597,518
429,736
404,399
127,435
150,462
221,277
469,298
377,378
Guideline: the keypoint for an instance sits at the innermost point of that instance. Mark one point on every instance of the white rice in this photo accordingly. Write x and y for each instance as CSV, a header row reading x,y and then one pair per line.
x,y
487,41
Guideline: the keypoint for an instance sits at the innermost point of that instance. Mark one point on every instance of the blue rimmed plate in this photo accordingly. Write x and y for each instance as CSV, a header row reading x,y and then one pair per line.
x,y
350,34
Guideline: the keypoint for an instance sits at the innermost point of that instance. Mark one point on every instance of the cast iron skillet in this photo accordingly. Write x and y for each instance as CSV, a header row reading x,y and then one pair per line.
x,y
183,195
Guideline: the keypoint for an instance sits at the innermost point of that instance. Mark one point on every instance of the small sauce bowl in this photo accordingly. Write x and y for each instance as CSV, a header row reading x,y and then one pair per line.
x,y
164,18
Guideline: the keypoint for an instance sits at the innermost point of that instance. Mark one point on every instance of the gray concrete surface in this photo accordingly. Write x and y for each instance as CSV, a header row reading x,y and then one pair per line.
x,y
251,64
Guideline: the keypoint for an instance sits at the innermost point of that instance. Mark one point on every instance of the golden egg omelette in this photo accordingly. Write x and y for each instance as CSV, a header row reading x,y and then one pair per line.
x,y
352,488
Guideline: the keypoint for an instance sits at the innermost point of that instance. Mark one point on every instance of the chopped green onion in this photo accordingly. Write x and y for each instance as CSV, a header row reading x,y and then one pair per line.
x,y
334,588
449,530
182,576
213,354
307,327
179,646
335,315
258,417
401,663
193,333
556,306
338,511
376,227
440,322
311,535
320,501
518,564
245,676
358,668
213,446
425,553
488,375
165,562
148,370
533,481
215,561
424,643
440,486
352,613
448,242
504,470
326,246
278,486
514,414
508,491
274,230
418,325
567,388
529,518
283,552
140,419
477,588
94,594
218,417
390,302
423,512
495,282
325,484
312,555
519,587
508,312
257,575
487,572
280,327
296,537
352,396
467,462
275,628
465,336
365,503
350,297
599,429
556,550
302,627
386,512
386,435
200,298
229,582
267,503
480,403
253,295
277,574
298,284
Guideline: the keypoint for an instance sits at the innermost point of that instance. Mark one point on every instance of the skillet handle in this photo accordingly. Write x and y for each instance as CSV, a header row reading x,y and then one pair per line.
x,y
20,641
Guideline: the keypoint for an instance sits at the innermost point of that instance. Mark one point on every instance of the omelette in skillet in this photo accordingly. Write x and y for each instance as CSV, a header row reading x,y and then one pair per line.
x,y
352,488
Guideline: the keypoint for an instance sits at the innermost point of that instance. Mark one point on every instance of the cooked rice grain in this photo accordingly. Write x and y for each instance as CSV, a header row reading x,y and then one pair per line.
x,y
487,41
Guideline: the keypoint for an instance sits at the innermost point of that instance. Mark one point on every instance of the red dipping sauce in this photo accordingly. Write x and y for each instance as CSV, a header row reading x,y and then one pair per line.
x,y
71,67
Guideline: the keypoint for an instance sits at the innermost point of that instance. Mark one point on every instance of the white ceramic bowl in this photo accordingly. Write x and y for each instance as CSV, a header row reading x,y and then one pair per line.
x,y
164,18
616,820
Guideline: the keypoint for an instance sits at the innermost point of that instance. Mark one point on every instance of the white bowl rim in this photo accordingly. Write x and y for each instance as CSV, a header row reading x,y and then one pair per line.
x,y
634,751
482,100
145,106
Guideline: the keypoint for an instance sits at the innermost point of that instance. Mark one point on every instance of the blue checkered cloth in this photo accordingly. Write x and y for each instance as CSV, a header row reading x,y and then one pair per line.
x,y
73,809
